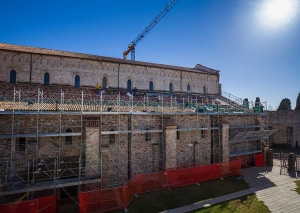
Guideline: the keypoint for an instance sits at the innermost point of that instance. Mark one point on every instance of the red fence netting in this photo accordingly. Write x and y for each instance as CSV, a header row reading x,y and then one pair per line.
x,y
259,159
83,200
20,207
118,198
208,172
47,204
243,158
41,205
130,189
152,182
230,168
102,200
182,177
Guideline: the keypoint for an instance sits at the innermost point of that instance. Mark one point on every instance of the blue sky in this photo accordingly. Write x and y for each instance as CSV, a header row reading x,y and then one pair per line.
x,y
255,58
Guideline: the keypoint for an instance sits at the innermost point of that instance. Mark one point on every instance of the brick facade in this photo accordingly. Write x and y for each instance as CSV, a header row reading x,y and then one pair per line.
x,y
288,124
63,67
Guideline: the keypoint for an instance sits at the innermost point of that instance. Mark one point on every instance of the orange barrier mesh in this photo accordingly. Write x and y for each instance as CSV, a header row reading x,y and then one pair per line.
x,y
118,198
20,207
83,199
152,182
130,189
105,200
41,205
259,159
208,172
47,204
182,177
231,168
243,158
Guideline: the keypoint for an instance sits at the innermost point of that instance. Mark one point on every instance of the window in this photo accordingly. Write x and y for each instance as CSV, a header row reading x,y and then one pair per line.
x,y
171,88
204,90
178,133
69,138
129,84
46,79
151,86
147,136
104,82
77,81
188,88
111,137
21,144
202,132
13,76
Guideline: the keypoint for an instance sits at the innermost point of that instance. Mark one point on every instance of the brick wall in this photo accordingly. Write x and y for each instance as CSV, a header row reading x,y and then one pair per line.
x,y
63,70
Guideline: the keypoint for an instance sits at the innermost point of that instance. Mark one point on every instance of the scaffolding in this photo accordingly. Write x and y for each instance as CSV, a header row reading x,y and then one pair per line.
x,y
56,137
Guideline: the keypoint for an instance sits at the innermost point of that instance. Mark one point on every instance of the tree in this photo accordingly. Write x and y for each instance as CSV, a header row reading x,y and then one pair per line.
x,y
285,104
298,102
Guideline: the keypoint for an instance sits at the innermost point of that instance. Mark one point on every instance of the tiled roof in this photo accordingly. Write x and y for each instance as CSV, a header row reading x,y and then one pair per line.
x,y
35,50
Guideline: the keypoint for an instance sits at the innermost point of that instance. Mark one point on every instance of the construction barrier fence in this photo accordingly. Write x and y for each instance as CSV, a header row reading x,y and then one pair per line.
x,y
259,159
111,199
46,204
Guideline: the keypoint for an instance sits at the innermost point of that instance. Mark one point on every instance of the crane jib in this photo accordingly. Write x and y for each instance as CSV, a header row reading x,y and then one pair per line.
x,y
131,46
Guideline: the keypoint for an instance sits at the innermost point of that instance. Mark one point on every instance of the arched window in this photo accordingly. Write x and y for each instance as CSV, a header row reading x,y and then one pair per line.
x,y
104,82
111,137
77,81
171,88
188,88
13,76
151,86
204,90
129,84
46,79
69,138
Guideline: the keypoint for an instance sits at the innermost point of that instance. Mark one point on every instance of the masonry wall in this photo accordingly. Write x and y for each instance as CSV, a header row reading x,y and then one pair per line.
x,y
288,124
120,153
63,70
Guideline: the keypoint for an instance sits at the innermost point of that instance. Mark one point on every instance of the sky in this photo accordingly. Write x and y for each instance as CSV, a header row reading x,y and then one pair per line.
x,y
255,46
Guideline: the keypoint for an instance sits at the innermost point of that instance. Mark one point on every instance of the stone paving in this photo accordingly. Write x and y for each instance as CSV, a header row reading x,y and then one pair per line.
x,y
275,190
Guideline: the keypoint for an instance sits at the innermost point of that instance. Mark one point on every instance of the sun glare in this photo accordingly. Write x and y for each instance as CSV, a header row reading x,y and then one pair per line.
x,y
278,12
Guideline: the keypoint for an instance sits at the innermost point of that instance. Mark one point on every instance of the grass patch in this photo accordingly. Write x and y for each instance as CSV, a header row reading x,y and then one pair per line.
x,y
245,204
181,196
298,186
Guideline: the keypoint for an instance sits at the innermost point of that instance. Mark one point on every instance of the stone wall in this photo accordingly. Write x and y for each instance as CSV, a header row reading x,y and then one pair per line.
x,y
62,70
288,124
225,142
171,147
122,145
92,151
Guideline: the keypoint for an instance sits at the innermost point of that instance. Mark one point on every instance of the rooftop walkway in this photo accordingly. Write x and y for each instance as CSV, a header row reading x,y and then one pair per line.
x,y
25,97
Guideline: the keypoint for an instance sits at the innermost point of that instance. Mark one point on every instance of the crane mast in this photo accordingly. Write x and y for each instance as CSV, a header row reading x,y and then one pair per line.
x,y
131,46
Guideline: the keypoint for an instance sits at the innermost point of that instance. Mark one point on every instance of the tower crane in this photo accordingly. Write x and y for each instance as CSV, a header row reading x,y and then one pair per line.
x,y
131,46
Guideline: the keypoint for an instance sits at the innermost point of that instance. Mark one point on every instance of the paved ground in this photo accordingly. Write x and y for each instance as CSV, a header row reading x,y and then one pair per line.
x,y
277,191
